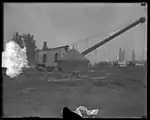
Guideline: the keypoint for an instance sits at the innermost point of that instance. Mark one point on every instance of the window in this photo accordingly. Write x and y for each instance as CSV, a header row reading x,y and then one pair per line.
x,y
44,58
66,49
56,57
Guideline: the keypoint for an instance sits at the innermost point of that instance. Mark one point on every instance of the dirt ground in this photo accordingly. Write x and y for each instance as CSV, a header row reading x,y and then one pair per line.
x,y
119,94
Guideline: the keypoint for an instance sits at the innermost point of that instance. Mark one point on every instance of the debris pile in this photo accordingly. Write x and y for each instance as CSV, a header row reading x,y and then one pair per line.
x,y
85,113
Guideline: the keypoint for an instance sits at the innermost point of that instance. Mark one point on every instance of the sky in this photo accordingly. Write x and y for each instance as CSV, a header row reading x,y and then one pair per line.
x,y
72,23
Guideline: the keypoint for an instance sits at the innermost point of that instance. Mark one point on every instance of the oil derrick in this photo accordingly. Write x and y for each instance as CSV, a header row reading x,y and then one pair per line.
x,y
120,54
124,57
133,56
123,54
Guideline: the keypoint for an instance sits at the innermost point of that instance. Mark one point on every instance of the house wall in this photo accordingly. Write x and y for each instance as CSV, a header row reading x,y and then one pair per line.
x,y
50,61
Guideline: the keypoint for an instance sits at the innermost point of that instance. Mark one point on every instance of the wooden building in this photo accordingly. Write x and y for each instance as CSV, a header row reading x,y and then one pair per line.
x,y
48,56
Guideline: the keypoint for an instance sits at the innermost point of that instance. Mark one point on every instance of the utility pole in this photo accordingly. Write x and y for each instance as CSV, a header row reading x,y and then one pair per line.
x,y
123,52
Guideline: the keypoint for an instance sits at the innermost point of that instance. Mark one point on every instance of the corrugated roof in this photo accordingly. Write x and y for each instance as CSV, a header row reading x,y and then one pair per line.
x,y
73,55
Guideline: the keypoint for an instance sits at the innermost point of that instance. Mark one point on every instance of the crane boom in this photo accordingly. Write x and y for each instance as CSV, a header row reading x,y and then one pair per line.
x,y
141,20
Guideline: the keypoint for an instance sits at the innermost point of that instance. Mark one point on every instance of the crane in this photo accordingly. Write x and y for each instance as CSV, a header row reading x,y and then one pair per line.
x,y
140,20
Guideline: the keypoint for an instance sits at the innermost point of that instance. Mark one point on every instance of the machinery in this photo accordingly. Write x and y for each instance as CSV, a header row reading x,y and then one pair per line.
x,y
137,22
94,47
141,20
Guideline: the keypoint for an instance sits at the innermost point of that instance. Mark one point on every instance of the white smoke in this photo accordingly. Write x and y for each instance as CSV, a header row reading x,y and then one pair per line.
x,y
14,59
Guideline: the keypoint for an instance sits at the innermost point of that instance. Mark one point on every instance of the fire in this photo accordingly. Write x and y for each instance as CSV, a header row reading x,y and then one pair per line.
x,y
14,59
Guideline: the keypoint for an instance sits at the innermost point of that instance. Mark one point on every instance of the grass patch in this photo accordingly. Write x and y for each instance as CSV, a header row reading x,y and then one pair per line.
x,y
49,98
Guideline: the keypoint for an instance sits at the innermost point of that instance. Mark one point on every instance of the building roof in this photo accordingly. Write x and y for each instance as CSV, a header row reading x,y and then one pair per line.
x,y
73,55
53,48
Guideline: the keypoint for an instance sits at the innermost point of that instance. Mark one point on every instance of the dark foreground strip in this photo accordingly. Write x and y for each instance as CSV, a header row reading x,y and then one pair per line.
x,y
69,115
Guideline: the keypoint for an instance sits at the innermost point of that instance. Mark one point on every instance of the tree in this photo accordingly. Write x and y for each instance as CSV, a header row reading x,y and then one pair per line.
x,y
18,39
27,40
